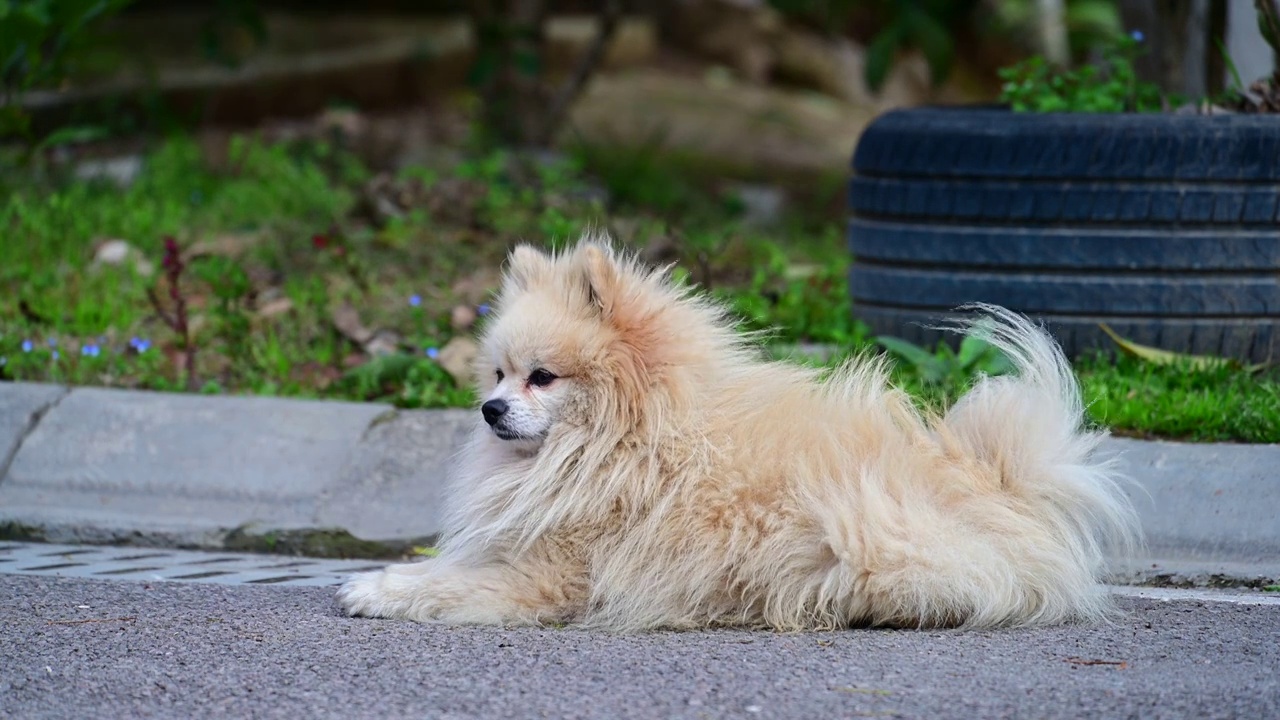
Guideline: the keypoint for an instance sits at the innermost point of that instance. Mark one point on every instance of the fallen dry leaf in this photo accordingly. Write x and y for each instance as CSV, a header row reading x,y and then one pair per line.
x,y
227,245
347,320
279,306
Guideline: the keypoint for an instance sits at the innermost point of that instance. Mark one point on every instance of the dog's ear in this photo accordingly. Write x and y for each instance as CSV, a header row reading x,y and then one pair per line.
x,y
528,267
614,291
603,278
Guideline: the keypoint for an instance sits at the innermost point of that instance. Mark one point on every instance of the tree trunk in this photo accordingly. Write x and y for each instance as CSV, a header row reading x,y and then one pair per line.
x,y
1052,23
1182,38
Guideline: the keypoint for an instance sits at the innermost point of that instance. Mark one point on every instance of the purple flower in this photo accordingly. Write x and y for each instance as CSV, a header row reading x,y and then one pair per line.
x,y
415,300
1137,35
27,346
433,353
483,309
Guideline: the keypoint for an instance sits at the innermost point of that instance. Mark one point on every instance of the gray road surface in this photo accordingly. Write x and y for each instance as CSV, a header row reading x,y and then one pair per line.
x,y
72,648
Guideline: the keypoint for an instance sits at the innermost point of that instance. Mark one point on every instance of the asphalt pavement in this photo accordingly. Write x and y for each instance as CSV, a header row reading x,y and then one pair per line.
x,y
76,648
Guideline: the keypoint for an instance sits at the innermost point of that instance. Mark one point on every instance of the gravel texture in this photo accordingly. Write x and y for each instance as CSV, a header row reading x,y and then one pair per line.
x,y
74,648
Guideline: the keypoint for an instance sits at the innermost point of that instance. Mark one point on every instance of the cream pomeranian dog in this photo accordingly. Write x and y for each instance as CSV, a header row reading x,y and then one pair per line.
x,y
640,466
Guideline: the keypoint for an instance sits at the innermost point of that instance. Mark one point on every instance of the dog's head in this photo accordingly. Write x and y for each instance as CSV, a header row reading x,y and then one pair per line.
x,y
582,340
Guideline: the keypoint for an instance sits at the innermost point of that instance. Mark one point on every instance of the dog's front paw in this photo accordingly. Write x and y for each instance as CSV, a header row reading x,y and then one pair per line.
x,y
363,595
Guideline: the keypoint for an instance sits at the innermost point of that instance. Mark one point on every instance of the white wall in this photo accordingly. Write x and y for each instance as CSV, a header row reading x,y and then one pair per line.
x,y
1251,54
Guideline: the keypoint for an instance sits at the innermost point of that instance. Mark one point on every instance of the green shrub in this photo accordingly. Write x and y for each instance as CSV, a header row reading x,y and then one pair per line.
x,y
1112,86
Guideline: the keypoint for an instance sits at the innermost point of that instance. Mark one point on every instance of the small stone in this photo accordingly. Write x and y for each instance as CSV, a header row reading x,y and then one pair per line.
x,y
457,357
113,252
383,342
462,317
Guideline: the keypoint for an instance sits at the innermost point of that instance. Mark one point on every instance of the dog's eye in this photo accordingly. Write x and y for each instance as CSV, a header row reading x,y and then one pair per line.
x,y
541,378
500,376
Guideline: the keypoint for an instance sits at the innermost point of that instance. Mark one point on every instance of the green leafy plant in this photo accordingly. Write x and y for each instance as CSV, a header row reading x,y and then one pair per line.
x,y
943,374
408,381
798,303
1111,86
230,286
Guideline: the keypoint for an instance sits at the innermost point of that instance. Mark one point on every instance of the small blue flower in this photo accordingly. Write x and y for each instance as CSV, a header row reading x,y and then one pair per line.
x,y
483,309
433,353
1137,35
90,350
56,355
53,342
27,346
415,300
138,344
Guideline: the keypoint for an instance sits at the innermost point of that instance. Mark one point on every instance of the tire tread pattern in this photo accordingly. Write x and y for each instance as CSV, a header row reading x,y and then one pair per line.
x,y
1166,227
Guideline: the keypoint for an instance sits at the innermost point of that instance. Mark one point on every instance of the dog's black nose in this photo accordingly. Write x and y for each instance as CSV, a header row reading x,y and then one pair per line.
x,y
493,410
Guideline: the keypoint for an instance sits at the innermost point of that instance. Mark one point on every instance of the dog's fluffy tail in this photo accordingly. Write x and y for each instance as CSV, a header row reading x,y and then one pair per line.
x,y
1030,427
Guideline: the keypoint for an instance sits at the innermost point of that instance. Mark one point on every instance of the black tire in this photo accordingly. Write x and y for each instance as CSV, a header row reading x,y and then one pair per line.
x,y
1166,228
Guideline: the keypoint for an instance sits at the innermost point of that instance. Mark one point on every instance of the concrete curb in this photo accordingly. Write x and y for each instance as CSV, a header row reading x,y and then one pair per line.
x,y
111,466
363,480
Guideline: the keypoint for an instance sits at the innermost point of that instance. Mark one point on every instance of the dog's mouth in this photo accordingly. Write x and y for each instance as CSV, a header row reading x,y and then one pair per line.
x,y
506,434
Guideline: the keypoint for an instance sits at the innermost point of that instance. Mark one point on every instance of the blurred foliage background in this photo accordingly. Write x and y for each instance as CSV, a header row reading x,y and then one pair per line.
x,y
153,64
310,198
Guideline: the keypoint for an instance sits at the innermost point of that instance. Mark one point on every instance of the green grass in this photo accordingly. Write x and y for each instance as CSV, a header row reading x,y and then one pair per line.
x,y
1180,401
287,226
284,223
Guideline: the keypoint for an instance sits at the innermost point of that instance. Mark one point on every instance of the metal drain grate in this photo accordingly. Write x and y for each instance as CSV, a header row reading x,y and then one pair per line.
x,y
117,563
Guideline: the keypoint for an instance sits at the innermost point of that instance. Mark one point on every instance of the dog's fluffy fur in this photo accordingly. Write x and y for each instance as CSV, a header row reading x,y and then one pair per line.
x,y
668,477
